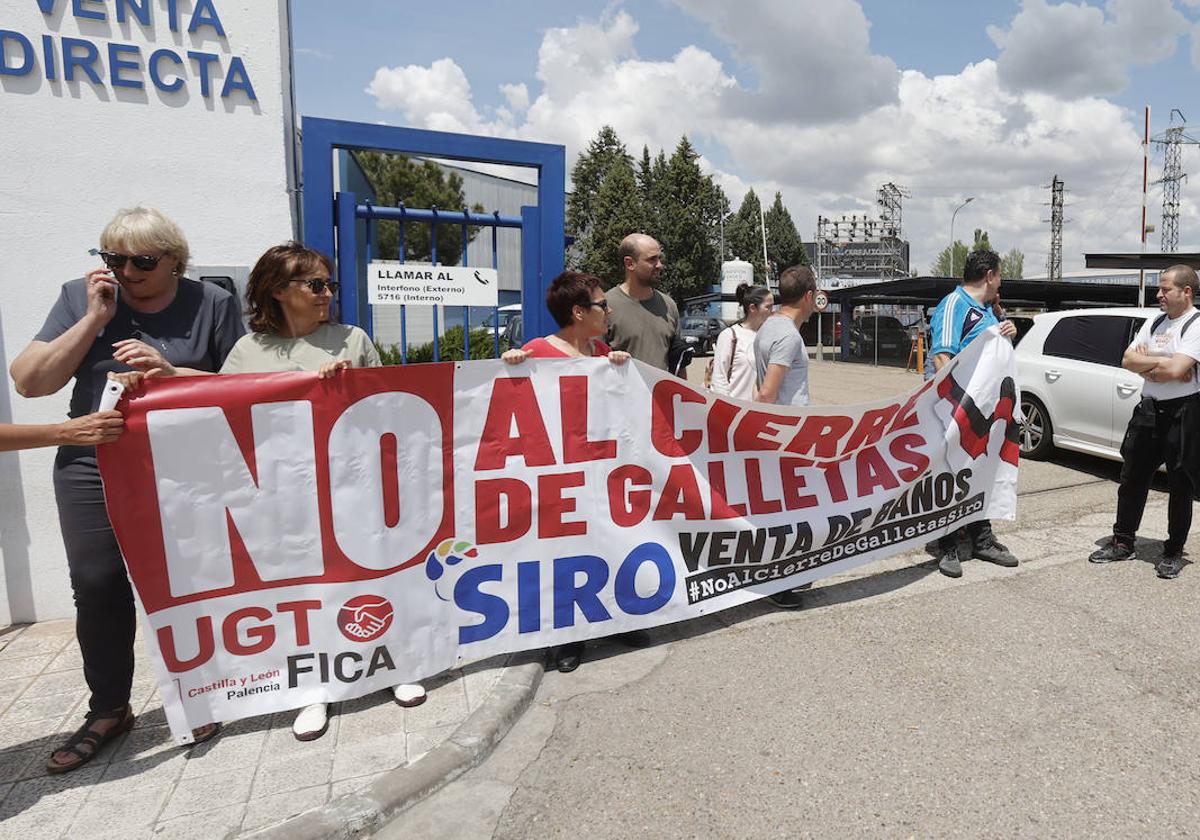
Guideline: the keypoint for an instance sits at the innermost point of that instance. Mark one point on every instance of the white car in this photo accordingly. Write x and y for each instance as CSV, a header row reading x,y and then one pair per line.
x,y
1074,392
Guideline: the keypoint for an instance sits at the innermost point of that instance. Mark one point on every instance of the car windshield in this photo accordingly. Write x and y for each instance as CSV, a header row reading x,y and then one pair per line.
x,y
694,323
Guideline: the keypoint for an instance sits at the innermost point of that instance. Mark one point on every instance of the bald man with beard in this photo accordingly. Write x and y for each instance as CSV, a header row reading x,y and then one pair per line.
x,y
642,321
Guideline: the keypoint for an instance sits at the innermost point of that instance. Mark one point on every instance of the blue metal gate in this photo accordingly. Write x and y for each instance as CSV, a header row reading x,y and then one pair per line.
x,y
331,220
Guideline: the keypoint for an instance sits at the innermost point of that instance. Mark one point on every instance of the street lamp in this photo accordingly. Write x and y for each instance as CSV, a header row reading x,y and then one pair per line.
x,y
955,213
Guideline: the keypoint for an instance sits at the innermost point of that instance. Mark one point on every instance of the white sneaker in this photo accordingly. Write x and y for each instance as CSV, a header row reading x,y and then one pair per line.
x,y
409,694
312,722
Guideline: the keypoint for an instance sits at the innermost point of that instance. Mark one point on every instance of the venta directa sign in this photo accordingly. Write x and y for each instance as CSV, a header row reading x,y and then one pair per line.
x,y
55,57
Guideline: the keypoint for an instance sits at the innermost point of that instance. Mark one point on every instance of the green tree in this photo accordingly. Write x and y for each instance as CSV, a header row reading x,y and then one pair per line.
x,y
398,179
616,213
1012,265
743,235
784,246
941,266
593,165
981,241
683,214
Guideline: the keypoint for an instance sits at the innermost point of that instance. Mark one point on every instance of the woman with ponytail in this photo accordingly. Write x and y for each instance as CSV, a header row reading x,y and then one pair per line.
x,y
733,373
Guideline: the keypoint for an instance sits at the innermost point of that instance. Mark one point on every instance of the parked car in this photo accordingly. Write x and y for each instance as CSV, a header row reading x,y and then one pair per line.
x,y
892,336
501,315
701,332
1074,393
513,334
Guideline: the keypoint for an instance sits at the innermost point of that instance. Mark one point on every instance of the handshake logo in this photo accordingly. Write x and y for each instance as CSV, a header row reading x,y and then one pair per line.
x,y
365,617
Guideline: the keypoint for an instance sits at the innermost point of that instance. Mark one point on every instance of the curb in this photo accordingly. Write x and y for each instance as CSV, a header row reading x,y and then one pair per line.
x,y
357,814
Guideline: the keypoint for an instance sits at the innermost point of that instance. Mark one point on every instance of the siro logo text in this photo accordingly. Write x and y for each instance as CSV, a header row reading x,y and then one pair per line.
x,y
577,582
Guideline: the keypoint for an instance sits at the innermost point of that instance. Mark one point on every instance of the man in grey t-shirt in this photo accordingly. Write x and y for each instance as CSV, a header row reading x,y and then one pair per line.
x,y
642,320
780,356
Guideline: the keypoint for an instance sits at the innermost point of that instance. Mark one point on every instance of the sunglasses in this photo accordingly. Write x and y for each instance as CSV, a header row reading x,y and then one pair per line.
x,y
116,261
603,304
316,285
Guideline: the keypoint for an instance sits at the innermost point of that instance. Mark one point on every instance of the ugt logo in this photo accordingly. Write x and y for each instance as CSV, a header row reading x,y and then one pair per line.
x,y
365,617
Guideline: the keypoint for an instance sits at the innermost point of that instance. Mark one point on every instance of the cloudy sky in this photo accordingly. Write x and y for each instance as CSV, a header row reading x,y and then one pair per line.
x,y
823,100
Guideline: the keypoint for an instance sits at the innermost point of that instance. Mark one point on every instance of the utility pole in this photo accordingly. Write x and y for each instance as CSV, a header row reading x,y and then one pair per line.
x,y
1054,259
1172,140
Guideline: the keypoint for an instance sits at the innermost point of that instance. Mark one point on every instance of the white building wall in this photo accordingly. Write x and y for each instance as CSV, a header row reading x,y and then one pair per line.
x,y
75,151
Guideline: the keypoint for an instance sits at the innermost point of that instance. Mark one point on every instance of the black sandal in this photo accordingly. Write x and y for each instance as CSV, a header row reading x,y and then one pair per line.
x,y
86,737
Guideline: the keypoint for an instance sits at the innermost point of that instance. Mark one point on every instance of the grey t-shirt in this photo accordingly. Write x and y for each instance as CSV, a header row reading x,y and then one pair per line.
x,y
642,328
266,353
196,330
778,342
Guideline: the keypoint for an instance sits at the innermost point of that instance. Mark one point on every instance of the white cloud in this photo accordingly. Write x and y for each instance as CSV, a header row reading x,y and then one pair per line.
x,y
437,96
1196,44
517,96
944,137
813,59
1076,50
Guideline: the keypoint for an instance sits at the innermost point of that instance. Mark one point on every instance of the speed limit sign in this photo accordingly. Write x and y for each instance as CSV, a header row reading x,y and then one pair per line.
x,y
822,301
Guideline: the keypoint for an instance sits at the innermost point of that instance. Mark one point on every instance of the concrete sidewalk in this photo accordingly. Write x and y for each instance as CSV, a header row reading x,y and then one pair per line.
x,y
253,775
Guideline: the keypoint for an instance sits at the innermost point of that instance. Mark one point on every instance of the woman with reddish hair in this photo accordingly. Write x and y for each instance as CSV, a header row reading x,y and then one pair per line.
x,y
580,309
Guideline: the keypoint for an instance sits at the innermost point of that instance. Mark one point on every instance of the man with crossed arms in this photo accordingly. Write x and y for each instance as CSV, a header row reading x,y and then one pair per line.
x,y
1164,353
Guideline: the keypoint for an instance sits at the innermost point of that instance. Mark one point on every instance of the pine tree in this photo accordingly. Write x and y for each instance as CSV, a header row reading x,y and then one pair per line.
x,y
398,179
785,248
593,165
616,213
687,205
743,233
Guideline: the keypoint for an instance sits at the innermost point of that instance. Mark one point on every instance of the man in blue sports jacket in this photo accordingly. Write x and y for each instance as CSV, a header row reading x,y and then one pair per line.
x,y
960,318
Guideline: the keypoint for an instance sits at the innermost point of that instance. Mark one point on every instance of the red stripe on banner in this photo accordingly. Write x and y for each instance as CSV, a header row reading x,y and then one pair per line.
x,y
127,466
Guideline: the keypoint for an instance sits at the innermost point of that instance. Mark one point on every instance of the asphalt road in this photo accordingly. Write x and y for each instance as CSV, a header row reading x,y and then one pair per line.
x,y
1057,699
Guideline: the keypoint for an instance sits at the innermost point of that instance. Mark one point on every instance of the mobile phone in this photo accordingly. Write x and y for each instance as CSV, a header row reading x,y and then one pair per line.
x,y
116,286
112,395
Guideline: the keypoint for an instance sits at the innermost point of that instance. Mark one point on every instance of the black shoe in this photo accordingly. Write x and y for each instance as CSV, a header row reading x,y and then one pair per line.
x,y
634,638
568,657
788,599
993,551
948,562
1169,565
1112,551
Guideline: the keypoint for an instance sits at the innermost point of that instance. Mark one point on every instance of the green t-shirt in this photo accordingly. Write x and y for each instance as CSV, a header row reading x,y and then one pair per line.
x,y
642,328
267,353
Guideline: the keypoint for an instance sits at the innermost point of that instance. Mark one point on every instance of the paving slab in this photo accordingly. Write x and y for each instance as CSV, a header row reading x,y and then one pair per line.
x,y
252,778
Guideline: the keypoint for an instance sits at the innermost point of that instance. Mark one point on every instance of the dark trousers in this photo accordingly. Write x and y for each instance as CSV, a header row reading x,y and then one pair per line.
x,y
104,616
1154,437
973,534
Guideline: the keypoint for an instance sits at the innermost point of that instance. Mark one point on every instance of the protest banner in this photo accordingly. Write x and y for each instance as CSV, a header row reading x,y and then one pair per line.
x,y
295,540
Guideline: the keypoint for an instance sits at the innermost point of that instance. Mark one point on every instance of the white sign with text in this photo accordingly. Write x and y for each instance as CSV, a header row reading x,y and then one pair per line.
x,y
431,285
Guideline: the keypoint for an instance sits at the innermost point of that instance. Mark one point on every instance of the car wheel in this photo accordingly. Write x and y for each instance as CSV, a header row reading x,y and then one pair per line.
x,y
1037,434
